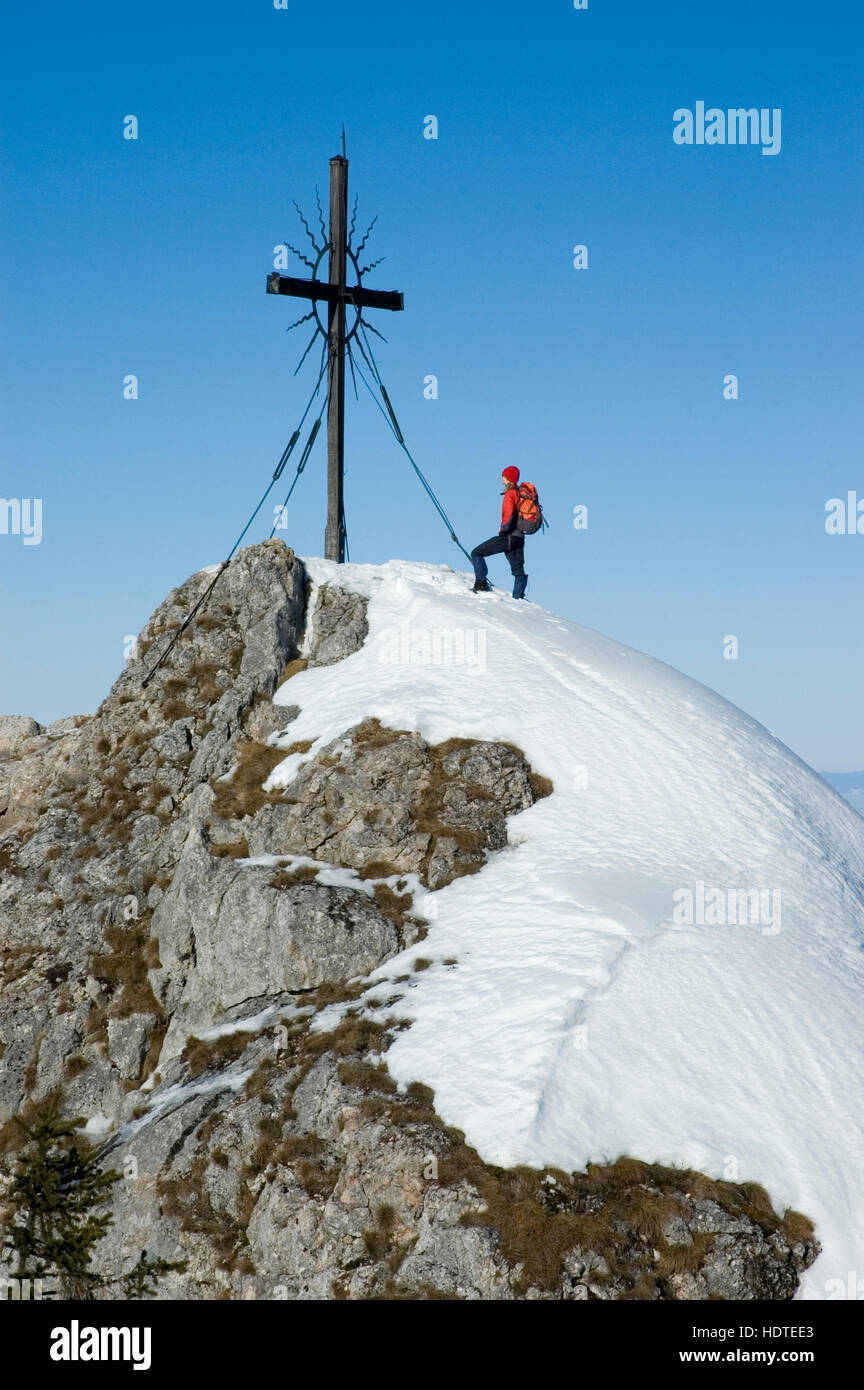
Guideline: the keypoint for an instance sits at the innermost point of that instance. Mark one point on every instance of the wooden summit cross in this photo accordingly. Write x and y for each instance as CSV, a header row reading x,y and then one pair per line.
x,y
338,294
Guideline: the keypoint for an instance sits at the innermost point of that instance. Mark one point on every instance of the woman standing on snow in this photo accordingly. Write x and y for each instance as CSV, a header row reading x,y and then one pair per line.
x,y
510,541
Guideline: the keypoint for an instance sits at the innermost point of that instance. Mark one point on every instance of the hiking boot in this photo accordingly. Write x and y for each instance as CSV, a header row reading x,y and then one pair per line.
x,y
482,587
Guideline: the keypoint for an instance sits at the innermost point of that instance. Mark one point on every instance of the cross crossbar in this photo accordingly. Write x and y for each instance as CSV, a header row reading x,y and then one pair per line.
x,y
357,295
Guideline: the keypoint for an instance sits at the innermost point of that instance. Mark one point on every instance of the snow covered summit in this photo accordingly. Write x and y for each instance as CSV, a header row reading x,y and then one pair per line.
x,y
666,961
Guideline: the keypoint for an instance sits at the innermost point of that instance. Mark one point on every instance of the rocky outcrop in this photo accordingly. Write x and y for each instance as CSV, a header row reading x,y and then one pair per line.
x,y
380,802
97,814
385,797
31,757
186,955
308,1176
236,937
338,627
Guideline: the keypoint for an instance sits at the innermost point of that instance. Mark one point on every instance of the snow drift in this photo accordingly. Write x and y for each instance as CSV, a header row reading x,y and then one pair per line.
x,y
666,962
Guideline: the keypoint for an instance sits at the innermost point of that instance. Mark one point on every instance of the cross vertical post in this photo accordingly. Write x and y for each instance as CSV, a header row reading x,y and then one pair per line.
x,y
334,540
338,295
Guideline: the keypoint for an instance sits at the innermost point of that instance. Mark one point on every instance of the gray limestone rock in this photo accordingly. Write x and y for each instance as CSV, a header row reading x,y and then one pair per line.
x,y
339,625
14,729
228,933
162,969
380,797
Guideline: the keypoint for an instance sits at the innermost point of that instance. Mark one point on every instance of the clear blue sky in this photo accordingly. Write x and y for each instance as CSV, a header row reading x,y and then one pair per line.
x,y
706,516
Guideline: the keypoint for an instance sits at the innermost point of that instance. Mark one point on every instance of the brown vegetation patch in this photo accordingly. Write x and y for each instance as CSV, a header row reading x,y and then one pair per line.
x,y
243,794
292,669
213,1054
373,734
17,961
301,746
541,786
289,878
396,906
236,849
122,972
187,1201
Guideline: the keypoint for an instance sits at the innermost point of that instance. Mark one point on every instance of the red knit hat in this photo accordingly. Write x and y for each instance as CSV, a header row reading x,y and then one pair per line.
x,y
512,475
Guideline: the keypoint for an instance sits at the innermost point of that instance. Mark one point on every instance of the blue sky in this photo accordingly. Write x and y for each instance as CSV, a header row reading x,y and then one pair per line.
x,y
706,516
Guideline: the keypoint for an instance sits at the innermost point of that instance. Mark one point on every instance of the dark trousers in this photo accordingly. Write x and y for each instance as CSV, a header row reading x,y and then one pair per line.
x,y
513,546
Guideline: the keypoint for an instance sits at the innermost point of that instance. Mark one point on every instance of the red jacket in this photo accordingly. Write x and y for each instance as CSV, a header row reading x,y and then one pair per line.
x,y
509,510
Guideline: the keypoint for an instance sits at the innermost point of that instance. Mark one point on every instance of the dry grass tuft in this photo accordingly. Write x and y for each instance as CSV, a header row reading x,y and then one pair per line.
x,y
798,1227
541,786
214,1054
301,746
396,906
289,878
373,734
293,668
237,849
122,971
186,1200
243,794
